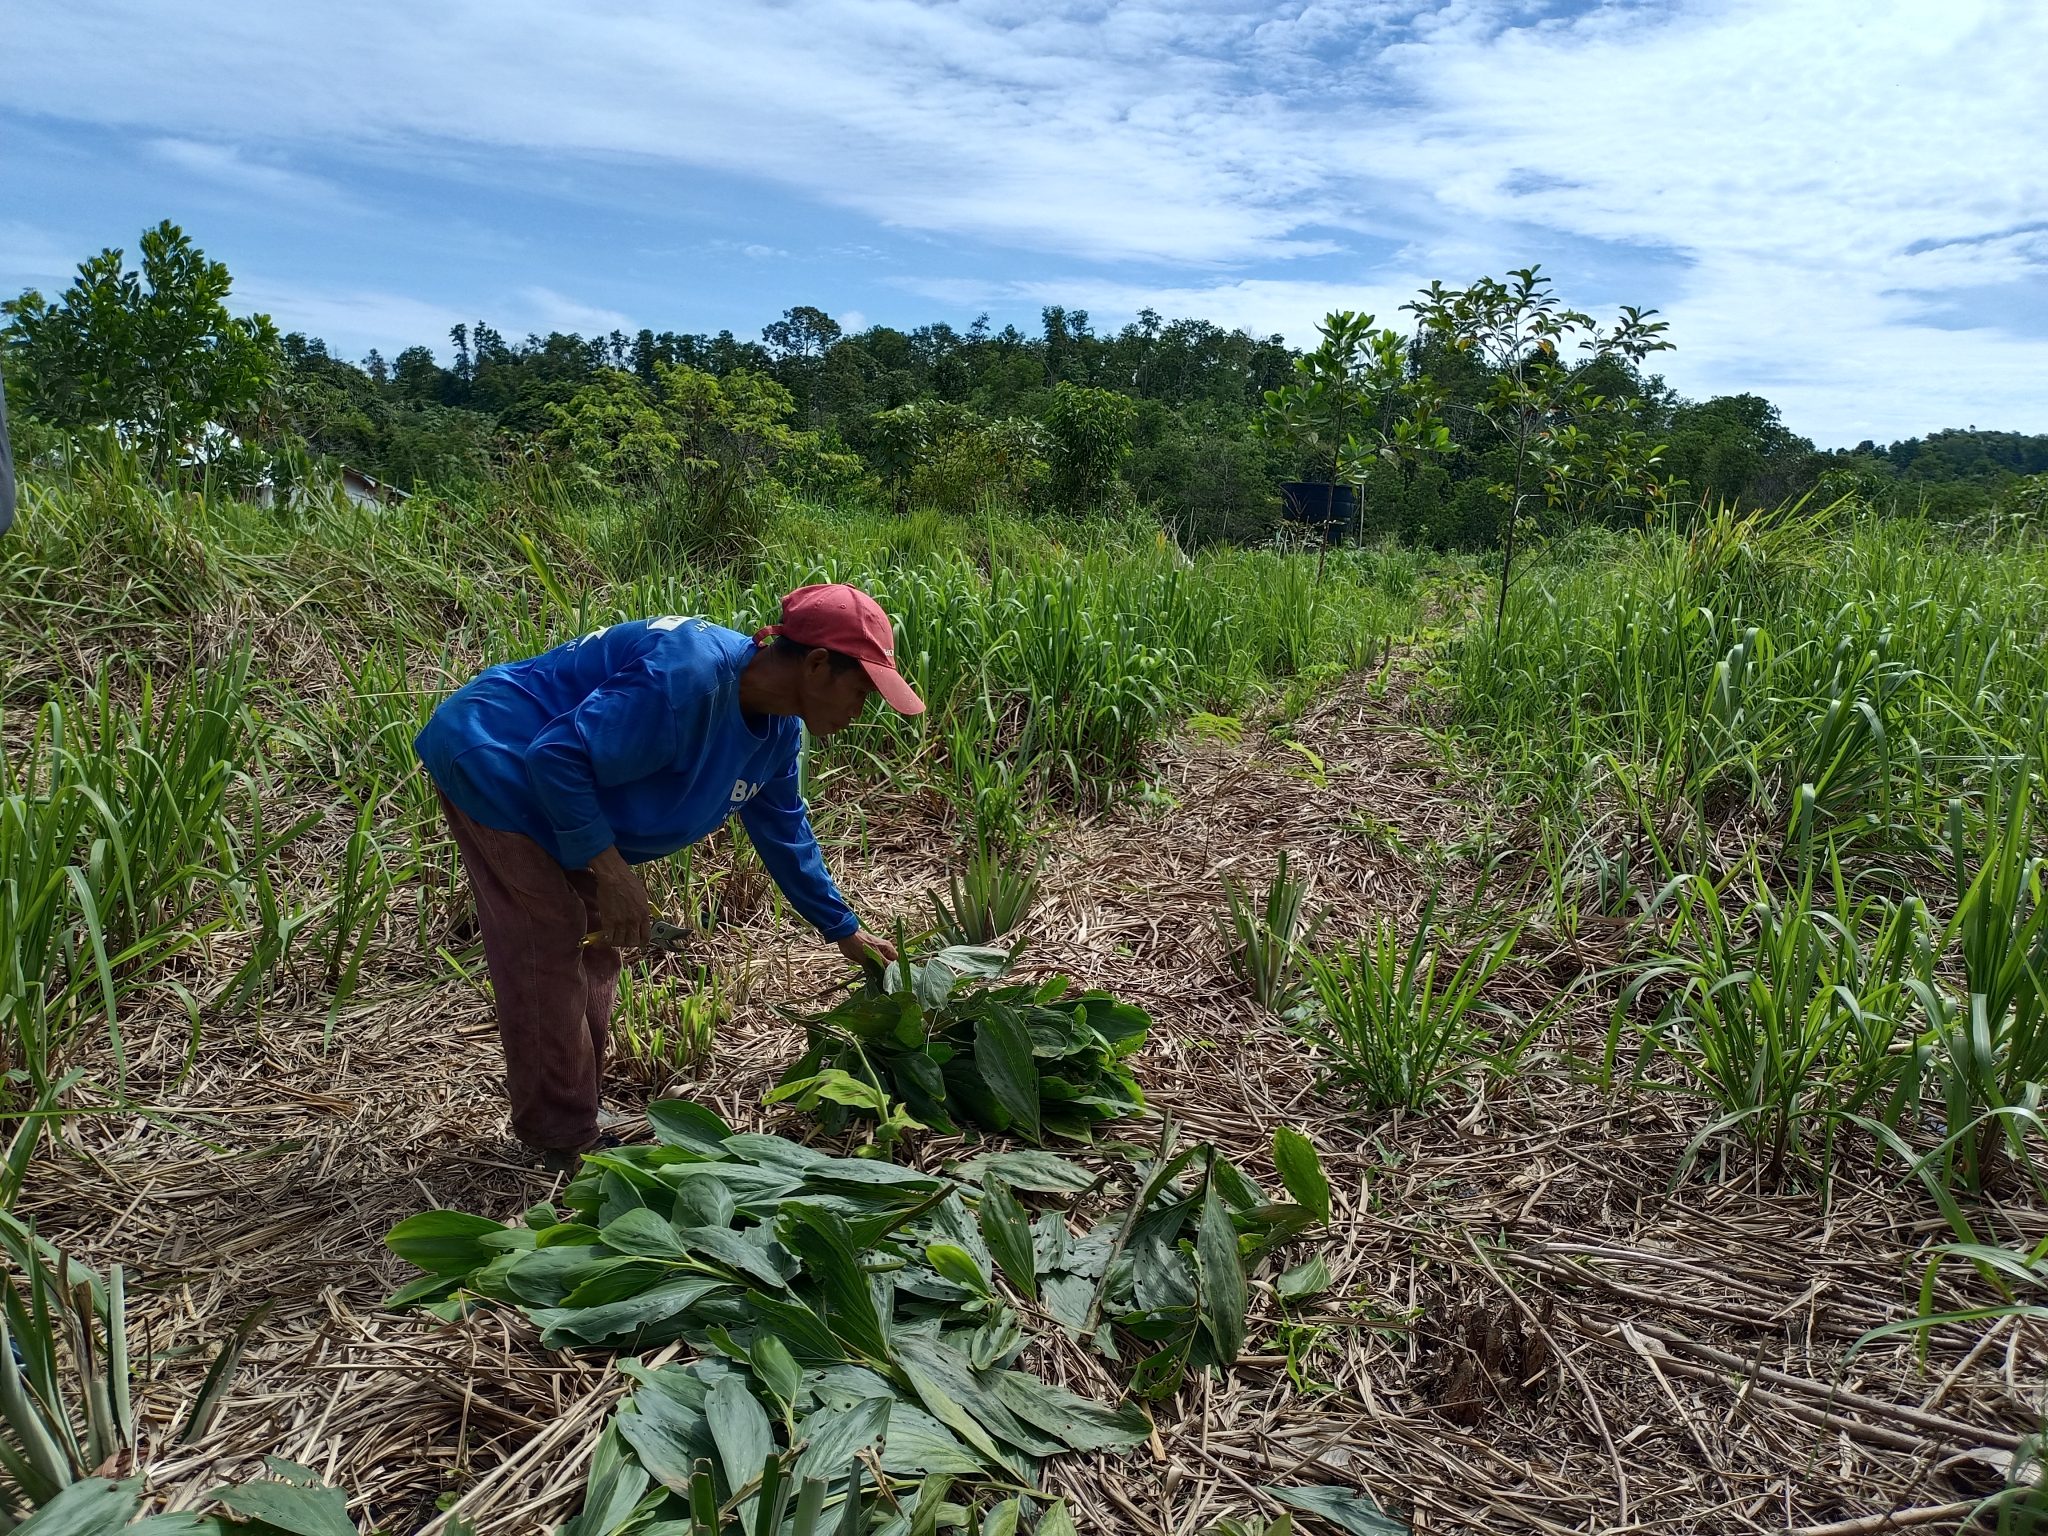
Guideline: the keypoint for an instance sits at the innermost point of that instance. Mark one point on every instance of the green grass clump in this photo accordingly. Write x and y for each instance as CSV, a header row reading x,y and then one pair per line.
x,y
1831,672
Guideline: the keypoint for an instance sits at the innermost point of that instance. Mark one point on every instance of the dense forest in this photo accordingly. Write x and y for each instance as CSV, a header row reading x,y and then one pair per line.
x,y
1175,415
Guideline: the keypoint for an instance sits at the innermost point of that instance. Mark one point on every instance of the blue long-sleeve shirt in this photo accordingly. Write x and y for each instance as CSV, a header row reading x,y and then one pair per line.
x,y
633,737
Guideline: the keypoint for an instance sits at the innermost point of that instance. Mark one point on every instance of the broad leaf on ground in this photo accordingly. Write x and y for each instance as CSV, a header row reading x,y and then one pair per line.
x,y
1302,1172
1345,1508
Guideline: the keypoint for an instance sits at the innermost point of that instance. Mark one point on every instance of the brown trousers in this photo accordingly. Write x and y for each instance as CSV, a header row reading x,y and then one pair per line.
x,y
554,993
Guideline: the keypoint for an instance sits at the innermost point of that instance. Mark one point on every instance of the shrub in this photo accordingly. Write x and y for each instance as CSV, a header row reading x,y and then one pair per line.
x,y
1091,432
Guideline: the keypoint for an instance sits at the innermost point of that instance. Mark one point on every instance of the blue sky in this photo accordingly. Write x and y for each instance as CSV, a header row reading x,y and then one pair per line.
x,y
1842,206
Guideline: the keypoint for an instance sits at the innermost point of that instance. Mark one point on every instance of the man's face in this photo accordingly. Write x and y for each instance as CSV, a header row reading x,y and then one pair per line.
x,y
832,699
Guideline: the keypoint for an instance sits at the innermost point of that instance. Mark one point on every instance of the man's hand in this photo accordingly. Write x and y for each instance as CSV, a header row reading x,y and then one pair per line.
x,y
860,946
624,919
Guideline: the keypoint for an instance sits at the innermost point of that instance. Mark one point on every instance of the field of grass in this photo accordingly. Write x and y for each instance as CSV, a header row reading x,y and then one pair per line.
x,y
1658,982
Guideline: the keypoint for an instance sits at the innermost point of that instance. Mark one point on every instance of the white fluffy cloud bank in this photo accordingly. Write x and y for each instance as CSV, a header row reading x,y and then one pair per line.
x,y
1844,207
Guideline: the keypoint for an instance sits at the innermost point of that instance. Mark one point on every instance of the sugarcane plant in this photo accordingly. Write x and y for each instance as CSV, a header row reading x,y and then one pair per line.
x,y
64,1381
67,1414
1263,940
986,900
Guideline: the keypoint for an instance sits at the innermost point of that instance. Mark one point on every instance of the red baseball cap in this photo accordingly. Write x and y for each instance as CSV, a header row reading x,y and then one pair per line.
x,y
845,619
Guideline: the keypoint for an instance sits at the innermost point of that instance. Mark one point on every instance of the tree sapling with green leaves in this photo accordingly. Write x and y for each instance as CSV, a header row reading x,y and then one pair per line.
x,y
153,352
1541,408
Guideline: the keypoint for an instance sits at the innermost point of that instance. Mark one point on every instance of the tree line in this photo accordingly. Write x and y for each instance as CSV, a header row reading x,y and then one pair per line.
x,y
1201,423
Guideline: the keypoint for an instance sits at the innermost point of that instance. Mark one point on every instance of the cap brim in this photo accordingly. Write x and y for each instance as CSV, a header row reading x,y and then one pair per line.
x,y
890,685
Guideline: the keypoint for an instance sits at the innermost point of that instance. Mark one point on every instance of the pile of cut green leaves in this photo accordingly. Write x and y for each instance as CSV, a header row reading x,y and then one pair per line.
x,y
930,1046
847,1313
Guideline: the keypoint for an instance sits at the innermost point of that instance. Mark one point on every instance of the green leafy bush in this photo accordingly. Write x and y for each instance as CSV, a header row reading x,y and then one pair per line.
x,y
1091,432
923,1047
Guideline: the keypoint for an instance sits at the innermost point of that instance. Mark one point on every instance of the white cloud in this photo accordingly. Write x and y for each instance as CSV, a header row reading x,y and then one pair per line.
x,y
546,310
350,321
35,256
1793,183
353,320
229,166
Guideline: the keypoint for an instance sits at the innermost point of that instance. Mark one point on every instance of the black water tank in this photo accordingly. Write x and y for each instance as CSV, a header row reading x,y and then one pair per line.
x,y
1319,503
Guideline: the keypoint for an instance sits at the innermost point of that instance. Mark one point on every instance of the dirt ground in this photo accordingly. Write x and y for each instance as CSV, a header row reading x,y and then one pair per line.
x,y
1532,1329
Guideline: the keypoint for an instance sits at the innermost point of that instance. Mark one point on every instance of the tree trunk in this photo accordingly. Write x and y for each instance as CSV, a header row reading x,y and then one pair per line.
x,y
1507,558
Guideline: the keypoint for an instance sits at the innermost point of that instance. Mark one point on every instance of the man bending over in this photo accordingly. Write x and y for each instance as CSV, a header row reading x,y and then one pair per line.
x,y
560,773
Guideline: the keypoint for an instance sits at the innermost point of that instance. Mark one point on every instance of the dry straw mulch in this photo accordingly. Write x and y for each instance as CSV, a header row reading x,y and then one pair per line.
x,y
1532,1329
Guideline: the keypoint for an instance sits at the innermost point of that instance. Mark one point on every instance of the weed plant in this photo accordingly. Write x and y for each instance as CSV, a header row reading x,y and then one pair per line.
x,y
989,898
664,1027
1789,1014
1263,941
1394,1023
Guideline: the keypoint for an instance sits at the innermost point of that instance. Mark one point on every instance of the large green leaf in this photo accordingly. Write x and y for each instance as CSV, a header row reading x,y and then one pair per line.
x,y
422,1288
776,1368
934,981
1029,1168
1002,1052
948,1411
667,1432
741,1431
442,1242
776,1152
92,1506
833,1263
1240,1192
950,1221
918,1444
1160,1374
289,1507
808,1335
1082,1424
614,1493
1302,1171
1006,1228
1067,1299
755,1191
1223,1298
1345,1508
866,1174
741,1252
704,1202
928,1506
618,1277
643,1233
833,1436
681,1123
546,1276
997,1341
1309,1278
954,1263
978,1393
1122,1025
562,1326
